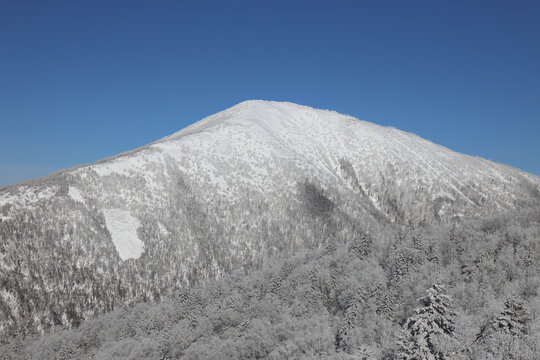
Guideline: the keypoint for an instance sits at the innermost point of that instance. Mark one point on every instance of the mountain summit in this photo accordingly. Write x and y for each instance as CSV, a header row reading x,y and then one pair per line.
x,y
257,180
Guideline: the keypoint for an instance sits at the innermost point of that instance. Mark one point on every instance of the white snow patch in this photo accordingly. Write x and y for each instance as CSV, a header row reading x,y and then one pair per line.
x,y
123,166
163,229
123,228
443,194
5,198
75,194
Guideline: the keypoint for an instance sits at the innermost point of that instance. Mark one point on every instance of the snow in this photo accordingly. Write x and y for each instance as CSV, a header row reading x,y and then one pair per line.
x,y
27,195
123,228
268,147
75,194
5,198
163,230
259,152
260,132
443,194
121,166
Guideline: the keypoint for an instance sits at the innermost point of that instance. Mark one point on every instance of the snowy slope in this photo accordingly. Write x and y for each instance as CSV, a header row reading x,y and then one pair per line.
x,y
249,145
258,179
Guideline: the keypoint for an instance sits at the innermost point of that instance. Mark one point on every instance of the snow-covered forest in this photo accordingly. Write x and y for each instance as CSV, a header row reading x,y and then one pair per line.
x,y
273,230
412,292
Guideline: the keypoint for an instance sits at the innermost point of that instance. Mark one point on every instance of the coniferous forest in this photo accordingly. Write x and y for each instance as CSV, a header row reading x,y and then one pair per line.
x,y
403,292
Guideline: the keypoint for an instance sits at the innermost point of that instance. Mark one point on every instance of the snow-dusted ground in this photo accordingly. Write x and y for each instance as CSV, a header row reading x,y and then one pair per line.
x,y
123,228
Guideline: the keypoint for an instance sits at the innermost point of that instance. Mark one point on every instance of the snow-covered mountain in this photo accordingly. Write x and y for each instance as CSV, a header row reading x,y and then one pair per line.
x,y
259,179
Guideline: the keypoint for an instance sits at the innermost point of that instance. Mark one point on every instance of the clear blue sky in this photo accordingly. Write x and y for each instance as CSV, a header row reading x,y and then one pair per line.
x,y
83,80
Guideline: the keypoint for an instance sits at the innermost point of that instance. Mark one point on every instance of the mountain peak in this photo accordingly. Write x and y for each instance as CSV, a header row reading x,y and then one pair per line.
x,y
267,104
271,116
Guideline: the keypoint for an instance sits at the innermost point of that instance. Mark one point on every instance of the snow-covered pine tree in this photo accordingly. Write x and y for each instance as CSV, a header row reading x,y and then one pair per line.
x,y
427,333
361,246
505,337
512,320
349,319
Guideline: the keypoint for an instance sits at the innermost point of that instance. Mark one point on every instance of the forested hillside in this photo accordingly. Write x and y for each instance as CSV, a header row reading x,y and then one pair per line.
x,y
401,292
308,209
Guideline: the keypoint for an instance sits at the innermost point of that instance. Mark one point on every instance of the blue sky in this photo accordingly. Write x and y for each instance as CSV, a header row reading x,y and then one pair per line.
x,y
83,80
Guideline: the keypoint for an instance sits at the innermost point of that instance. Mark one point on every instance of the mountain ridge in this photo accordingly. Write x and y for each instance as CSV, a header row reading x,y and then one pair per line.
x,y
195,128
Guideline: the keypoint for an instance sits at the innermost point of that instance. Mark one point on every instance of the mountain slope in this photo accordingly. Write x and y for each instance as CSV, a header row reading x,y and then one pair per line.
x,y
346,300
257,180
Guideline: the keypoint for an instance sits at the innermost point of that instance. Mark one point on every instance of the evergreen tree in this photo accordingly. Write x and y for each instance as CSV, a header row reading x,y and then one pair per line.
x,y
511,321
426,333
348,322
504,337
